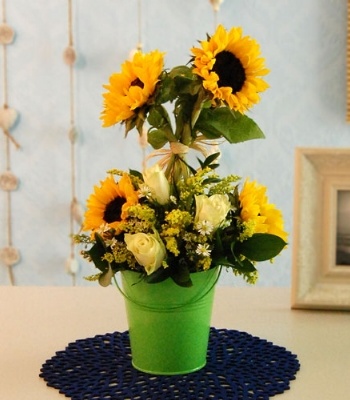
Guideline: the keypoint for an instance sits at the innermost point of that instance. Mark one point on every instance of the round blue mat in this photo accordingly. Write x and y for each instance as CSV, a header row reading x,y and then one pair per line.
x,y
240,366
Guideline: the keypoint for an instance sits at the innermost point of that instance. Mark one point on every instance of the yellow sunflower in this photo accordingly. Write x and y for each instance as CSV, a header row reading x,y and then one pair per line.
x,y
109,203
131,88
231,67
256,212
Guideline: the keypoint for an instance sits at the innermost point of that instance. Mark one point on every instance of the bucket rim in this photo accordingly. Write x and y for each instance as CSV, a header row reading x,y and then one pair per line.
x,y
192,300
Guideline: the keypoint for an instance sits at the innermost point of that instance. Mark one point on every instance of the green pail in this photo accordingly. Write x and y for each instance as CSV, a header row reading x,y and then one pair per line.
x,y
168,324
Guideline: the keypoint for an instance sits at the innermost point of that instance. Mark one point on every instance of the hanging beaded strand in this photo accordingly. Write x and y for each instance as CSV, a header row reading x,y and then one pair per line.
x,y
143,138
75,215
139,25
139,44
9,255
216,7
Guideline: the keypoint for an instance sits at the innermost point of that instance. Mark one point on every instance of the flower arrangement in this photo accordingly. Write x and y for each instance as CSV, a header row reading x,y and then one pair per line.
x,y
173,219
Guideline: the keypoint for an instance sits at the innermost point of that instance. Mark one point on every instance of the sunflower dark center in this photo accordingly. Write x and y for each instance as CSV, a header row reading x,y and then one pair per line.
x,y
113,210
230,71
137,82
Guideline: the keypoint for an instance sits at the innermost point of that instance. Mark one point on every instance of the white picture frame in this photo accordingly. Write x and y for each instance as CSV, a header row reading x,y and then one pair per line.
x,y
321,213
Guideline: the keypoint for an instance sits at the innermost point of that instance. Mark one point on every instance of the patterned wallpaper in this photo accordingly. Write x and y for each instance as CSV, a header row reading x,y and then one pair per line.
x,y
304,43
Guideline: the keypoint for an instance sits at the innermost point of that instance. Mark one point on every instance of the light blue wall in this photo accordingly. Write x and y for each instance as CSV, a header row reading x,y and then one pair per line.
x,y
304,43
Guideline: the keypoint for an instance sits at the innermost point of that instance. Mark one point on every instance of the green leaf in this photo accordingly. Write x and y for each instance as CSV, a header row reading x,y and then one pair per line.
x,y
223,122
185,80
158,117
136,121
184,85
223,262
211,158
208,161
96,253
261,247
210,181
157,138
181,275
160,275
218,247
136,173
181,71
166,90
245,266
129,125
105,278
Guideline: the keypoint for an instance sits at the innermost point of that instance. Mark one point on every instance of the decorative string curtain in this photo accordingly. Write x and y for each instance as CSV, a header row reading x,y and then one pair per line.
x,y
9,254
75,212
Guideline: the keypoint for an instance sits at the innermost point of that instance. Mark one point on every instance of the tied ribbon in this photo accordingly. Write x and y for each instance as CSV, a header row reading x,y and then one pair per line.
x,y
201,145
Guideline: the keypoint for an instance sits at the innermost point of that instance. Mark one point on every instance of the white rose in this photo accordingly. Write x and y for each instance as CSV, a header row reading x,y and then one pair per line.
x,y
148,250
156,180
212,209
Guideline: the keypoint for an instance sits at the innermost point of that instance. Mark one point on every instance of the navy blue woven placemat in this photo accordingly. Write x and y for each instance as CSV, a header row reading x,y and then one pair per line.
x,y
239,367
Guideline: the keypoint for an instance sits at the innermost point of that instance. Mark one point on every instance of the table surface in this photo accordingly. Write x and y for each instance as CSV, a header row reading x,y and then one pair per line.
x,y
35,322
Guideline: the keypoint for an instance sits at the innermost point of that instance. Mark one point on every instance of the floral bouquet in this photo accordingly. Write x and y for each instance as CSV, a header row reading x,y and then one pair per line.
x,y
173,219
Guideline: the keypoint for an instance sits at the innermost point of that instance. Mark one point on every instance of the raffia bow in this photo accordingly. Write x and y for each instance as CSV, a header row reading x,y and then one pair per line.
x,y
201,144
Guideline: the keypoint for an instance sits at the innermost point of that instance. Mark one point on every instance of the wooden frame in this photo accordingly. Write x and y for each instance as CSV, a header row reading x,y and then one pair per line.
x,y
317,281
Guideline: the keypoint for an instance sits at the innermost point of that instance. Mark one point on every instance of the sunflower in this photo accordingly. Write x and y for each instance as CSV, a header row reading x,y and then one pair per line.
x,y
131,88
231,68
256,210
109,203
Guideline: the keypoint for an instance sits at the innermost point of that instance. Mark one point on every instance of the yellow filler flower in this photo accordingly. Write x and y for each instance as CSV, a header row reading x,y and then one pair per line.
x,y
131,88
109,203
231,66
257,212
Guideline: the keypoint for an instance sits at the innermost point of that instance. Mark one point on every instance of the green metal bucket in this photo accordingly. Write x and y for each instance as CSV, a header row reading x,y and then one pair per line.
x,y
168,324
